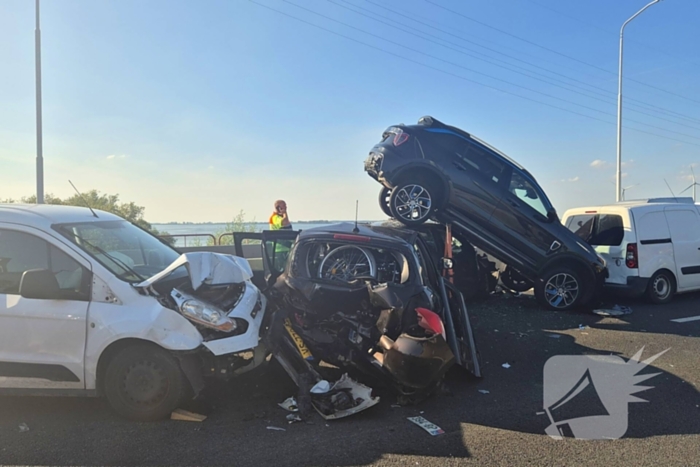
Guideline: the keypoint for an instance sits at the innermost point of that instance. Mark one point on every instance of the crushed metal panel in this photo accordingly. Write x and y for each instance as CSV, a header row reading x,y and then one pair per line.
x,y
205,267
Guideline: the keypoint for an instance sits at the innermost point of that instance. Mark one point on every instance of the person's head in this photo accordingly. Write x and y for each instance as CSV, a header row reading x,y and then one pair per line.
x,y
280,206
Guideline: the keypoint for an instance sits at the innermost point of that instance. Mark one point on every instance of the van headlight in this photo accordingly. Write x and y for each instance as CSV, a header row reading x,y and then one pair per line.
x,y
202,313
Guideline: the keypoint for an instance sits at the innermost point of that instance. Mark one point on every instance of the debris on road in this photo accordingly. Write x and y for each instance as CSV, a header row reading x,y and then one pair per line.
x,y
186,416
346,397
617,310
275,428
293,418
431,428
506,365
581,327
321,387
484,391
554,336
23,428
290,404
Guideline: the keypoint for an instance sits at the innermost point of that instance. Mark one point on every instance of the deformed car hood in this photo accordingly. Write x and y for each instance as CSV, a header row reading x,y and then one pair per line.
x,y
205,267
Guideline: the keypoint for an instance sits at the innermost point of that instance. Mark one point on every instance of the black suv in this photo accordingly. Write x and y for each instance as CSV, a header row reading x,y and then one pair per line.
x,y
436,171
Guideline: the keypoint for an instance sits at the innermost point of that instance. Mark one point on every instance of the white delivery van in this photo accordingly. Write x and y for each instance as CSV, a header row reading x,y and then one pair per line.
x,y
91,304
651,246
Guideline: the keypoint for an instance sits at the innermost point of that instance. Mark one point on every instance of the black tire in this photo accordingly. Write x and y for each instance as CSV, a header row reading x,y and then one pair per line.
x,y
661,288
384,197
144,383
413,202
515,281
560,289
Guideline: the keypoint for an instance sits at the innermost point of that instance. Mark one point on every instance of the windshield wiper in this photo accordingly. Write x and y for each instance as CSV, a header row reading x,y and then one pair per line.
x,y
121,263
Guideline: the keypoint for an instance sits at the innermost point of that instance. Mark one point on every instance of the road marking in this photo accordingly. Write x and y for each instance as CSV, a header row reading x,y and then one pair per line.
x,y
685,320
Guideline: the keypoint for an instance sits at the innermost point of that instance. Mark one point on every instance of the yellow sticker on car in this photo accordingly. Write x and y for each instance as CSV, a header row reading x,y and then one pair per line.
x,y
298,341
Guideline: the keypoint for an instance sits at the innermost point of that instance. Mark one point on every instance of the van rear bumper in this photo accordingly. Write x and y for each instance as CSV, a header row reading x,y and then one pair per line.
x,y
635,286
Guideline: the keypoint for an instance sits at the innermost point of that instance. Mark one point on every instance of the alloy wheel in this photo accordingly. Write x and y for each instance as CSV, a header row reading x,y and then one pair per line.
x,y
413,203
561,290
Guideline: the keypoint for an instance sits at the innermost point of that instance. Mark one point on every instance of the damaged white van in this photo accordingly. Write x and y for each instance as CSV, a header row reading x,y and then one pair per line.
x,y
651,246
91,304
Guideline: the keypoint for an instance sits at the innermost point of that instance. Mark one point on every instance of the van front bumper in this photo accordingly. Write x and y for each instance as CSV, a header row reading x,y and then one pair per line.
x,y
635,287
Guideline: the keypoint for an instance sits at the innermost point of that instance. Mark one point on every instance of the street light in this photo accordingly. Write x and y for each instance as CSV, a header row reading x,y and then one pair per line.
x,y
39,143
618,192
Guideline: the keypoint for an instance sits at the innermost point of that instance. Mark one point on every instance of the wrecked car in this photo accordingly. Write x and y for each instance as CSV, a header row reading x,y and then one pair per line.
x,y
435,171
368,300
92,305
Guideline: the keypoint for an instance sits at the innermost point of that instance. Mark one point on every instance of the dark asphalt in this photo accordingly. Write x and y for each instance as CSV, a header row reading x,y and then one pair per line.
x,y
498,428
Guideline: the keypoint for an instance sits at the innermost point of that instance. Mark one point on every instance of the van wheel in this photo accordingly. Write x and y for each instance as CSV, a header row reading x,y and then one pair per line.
x,y
144,383
559,289
384,200
661,288
413,203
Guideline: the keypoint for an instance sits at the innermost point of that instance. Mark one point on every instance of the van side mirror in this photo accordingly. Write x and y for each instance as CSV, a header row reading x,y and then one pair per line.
x,y
39,284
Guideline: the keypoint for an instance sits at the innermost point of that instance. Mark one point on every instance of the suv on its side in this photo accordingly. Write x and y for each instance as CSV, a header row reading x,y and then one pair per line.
x,y
436,171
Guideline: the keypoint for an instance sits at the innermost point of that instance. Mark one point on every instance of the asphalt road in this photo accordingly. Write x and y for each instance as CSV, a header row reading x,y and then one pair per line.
x,y
504,427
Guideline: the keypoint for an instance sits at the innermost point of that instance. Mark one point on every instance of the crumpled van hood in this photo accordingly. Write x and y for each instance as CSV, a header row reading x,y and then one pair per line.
x,y
205,267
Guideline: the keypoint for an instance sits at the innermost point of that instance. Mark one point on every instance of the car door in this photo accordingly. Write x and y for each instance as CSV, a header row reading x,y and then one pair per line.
x,y
684,225
521,221
478,181
42,341
276,248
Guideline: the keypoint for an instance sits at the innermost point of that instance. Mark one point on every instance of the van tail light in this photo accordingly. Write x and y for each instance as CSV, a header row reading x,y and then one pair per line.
x,y
430,321
400,137
631,259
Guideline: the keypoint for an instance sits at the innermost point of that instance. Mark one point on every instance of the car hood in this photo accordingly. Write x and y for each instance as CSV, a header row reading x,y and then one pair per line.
x,y
208,268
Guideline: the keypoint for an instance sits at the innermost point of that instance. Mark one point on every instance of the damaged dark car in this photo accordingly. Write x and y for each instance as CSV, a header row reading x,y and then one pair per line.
x,y
370,301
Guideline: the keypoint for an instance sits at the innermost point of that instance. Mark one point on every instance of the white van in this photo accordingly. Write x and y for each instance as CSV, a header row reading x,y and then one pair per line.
x,y
90,304
651,246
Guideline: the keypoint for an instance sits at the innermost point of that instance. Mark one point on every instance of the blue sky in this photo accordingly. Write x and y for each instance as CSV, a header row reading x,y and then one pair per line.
x,y
197,110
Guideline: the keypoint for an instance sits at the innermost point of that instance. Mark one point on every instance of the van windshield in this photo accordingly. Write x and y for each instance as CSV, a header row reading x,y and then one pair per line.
x,y
598,229
130,253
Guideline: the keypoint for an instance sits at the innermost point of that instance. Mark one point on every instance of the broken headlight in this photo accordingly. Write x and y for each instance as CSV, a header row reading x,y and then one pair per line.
x,y
202,313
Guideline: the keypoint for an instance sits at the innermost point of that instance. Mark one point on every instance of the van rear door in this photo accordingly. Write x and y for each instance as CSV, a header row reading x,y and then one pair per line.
x,y
684,224
654,247
609,234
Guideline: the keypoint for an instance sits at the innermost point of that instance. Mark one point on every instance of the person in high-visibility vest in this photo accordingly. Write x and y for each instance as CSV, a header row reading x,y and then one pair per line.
x,y
279,218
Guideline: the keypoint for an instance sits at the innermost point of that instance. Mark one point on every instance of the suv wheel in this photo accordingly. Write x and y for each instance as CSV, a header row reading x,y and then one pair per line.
x,y
144,383
384,201
661,287
515,281
559,289
412,203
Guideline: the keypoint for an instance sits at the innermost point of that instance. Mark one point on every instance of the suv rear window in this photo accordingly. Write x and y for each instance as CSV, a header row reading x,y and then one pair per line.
x,y
598,229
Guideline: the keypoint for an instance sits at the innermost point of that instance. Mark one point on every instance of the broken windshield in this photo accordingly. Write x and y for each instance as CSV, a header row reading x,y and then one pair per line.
x,y
129,252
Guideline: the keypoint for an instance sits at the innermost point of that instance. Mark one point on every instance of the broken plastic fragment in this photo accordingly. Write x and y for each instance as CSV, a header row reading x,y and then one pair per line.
x,y
321,387
617,310
581,327
506,365
483,391
292,418
23,428
554,336
290,404
275,428
186,416
431,428
346,397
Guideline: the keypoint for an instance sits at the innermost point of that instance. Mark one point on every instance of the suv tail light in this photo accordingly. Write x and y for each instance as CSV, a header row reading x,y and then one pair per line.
x,y
631,259
400,137
430,321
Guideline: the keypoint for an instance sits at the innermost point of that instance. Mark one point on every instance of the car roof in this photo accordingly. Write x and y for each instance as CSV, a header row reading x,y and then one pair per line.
x,y
429,122
377,231
46,215
651,204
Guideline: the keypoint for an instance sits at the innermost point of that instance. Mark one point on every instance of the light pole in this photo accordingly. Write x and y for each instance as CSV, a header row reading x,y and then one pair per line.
x,y
618,192
39,143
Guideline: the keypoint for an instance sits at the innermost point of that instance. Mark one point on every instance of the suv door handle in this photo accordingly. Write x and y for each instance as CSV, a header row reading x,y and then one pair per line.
x,y
459,166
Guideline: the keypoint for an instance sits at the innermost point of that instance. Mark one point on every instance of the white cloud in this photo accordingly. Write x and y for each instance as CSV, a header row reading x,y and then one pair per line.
x,y
114,156
211,167
628,163
599,164
575,179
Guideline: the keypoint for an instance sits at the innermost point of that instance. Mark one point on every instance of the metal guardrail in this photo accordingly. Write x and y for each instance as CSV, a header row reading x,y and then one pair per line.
x,y
186,236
